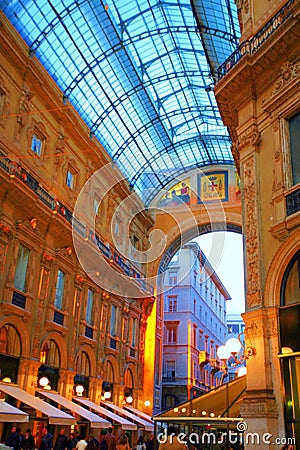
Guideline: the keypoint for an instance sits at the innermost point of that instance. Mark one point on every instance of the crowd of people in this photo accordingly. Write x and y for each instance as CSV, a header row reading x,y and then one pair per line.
x,y
107,441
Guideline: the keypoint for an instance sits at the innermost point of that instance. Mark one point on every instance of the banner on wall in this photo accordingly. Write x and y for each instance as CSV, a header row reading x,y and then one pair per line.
x,y
213,186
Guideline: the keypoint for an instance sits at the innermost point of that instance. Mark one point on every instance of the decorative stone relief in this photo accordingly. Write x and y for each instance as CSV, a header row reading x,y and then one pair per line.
x,y
251,232
22,110
43,294
77,301
288,73
287,84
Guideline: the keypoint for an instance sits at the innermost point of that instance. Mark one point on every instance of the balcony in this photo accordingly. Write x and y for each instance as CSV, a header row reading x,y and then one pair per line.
x,y
250,46
89,332
58,318
19,300
293,202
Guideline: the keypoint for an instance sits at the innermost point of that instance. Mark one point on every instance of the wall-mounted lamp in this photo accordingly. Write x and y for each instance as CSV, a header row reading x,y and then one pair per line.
x,y
6,380
106,390
43,382
128,395
230,354
79,389
147,403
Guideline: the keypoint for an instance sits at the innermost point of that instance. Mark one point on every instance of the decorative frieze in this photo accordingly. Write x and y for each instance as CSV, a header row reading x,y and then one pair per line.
x,y
251,232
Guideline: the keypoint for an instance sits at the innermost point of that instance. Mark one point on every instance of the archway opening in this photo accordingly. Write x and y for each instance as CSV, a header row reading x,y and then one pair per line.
x,y
202,302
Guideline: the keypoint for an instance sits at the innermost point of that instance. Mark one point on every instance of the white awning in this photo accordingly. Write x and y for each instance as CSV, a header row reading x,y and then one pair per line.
x,y
126,424
55,416
146,424
95,420
139,413
9,413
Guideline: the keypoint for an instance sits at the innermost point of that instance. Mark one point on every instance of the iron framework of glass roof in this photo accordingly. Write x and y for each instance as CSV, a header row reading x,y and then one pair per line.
x,y
140,73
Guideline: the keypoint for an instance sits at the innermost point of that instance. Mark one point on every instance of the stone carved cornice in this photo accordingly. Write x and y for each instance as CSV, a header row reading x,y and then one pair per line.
x,y
251,137
287,84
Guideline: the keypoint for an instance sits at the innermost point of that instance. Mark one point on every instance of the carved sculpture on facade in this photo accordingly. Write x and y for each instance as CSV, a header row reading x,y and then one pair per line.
x,y
251,233
22,110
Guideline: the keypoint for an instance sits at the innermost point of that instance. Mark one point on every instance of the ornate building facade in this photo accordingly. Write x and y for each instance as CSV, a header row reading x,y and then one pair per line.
x,y
258,95
57,320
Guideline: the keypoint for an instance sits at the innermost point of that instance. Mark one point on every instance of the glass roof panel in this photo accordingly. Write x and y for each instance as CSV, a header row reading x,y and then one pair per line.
x,y
137,72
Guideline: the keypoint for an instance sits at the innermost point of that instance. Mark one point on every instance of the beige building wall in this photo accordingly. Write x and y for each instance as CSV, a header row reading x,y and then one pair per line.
x,y
36,205
257,96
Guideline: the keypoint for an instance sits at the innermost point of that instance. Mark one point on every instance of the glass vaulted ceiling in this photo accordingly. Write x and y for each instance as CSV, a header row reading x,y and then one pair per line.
x,y
139,73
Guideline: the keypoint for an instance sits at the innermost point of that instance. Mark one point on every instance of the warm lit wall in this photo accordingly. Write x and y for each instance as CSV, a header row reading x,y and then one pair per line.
x,y
30,104
256,99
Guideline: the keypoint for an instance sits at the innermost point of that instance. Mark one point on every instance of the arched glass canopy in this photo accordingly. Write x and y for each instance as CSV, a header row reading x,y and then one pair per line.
x,y
140,73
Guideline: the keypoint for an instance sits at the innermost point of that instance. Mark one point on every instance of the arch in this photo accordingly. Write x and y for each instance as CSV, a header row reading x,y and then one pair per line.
x,y
277,268
63,351
112,360
189,235
133,370
88,350
20,327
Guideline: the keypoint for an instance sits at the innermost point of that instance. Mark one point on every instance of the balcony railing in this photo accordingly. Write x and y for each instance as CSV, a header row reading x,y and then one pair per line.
x,y
58,318
15,170
89,332
293,202
250,46
113,343
19,299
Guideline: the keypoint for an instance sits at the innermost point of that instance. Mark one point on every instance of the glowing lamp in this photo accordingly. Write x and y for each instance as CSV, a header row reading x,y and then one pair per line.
x,y
107,395
147,403
242,371
234,345
223,352
6,380
129,399
43,382
79,390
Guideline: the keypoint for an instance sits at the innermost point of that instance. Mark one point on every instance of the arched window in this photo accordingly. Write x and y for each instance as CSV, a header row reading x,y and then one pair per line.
x,y
110,372
10,343
83,373
10,352
128,379
50,355
83,365
290,291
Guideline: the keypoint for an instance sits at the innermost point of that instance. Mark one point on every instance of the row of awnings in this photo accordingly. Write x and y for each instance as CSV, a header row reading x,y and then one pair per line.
x,y
101,417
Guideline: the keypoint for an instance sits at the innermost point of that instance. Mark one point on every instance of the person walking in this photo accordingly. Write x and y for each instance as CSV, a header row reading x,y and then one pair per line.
x,y
47,440
81,444
14,438
111,439
123,443
27,442
61,442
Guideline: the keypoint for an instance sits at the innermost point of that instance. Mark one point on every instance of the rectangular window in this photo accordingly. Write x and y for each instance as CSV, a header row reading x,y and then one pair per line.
x,y
59,292
70,179
294,130
113,320
133,332
170,369
21,268
36,145
172,335
89,307
172,278
172,303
